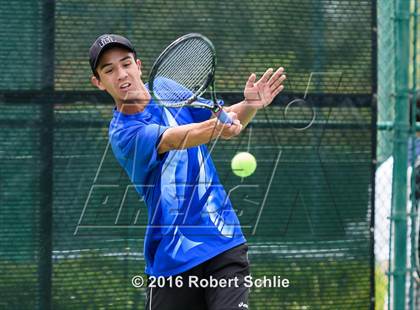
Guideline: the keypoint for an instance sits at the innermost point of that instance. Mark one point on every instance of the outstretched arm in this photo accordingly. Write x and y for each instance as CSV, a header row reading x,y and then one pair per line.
x,y
258,94
190,135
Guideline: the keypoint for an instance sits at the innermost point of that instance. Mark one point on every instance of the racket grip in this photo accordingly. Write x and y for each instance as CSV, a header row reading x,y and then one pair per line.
x,y
223,117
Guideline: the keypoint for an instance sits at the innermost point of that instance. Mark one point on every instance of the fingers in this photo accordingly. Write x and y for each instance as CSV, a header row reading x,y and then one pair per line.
x,y
234,117
278,90
275,77
266,76
273,80
235,121
277,84
266,88
230,130
276,81
235,129
251,80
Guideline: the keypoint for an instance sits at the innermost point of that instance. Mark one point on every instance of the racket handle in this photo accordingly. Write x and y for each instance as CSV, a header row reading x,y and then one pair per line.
x,y
223,117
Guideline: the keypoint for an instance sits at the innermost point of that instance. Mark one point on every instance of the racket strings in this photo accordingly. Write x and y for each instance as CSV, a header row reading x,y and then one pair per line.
x,y
189,65
188,61
186,56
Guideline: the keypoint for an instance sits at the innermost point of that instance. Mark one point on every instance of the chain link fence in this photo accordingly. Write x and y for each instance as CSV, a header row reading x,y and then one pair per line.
x,y
396,188
317,211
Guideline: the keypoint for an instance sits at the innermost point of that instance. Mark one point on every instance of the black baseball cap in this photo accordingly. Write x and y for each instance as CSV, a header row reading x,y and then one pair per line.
x,y
104,42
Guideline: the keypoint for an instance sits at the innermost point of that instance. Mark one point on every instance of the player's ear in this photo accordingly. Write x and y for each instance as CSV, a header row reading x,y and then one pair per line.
x,y
96,82
138,62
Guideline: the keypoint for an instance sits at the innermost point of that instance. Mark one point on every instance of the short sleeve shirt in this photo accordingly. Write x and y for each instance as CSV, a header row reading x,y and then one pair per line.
x,y
190,216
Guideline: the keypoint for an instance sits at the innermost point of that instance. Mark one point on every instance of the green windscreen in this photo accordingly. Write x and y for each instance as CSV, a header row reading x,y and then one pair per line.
x,y
71,224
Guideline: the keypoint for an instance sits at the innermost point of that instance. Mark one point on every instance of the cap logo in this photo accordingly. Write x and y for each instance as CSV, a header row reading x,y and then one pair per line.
x,y
105,40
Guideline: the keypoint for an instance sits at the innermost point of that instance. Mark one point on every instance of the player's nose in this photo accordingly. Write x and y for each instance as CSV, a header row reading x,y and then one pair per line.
x,y
122,74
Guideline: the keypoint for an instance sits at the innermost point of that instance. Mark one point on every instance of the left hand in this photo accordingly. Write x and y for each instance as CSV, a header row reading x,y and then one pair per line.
x,y
261,93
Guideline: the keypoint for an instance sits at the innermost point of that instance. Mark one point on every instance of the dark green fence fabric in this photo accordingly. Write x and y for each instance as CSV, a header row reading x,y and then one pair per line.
x,y
307,209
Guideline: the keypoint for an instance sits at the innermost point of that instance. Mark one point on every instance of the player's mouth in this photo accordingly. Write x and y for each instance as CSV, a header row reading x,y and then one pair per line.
x,y
125,86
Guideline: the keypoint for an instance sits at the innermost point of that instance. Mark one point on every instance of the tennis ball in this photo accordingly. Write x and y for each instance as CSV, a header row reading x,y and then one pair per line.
x,y
243,164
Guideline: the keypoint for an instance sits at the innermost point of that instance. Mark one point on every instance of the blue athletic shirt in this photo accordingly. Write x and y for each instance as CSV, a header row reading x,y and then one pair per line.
x,y
190,216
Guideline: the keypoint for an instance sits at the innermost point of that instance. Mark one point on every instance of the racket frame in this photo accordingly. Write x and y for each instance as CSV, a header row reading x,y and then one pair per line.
x,y
192,101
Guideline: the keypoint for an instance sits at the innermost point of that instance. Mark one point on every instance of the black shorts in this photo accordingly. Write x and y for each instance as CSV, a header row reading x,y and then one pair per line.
x,y
217,284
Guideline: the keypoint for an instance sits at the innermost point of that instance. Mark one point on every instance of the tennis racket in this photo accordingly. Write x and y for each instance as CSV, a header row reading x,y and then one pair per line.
x,y
183,72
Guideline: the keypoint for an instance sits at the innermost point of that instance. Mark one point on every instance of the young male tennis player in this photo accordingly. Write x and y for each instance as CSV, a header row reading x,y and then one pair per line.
x,y
193,232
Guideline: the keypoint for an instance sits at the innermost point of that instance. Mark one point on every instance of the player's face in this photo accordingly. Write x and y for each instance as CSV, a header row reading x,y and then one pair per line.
x,y
120,75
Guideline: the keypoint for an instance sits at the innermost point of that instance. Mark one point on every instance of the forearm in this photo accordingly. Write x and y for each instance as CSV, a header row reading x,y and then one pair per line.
x,y
244,110
186,136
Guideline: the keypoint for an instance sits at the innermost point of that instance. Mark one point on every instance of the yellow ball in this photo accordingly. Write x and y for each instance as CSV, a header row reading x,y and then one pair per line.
x,y
243,164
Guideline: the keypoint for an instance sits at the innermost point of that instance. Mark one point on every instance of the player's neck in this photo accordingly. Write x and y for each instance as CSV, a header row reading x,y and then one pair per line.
x,y
131,107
